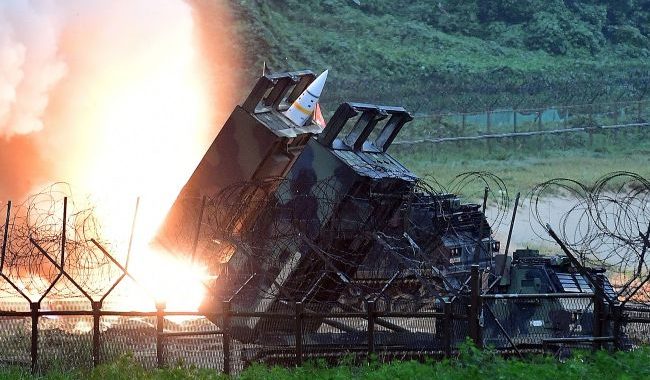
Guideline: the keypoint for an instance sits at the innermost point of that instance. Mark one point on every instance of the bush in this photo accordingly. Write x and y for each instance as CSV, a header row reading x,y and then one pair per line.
x,y
512,11
545,32
627,34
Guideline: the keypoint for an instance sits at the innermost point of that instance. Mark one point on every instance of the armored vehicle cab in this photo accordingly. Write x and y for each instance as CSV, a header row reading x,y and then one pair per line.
x,y
547,314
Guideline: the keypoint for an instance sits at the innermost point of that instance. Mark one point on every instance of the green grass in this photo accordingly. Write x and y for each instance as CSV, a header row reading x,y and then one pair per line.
x,y
471,364
125,368
522,165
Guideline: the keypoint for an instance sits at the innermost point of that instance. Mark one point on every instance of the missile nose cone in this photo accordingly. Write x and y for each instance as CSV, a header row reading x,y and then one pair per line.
x,y
316,87
303,107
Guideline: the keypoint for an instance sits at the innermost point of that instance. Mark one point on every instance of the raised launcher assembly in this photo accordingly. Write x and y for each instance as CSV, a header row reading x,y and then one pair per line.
x,y
256,142
296,217
315,261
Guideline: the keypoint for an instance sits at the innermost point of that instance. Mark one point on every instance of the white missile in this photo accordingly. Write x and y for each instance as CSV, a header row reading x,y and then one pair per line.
x,y
303,108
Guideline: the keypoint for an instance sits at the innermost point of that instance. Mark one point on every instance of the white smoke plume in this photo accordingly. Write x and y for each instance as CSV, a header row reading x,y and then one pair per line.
x,y
119,94
30,64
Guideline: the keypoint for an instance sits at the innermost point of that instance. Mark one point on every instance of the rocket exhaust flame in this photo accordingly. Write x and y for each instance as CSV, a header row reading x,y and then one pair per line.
x,y
119,100
40,270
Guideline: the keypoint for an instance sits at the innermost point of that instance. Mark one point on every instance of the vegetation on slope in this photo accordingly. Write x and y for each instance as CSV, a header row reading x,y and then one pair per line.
x,y
457,56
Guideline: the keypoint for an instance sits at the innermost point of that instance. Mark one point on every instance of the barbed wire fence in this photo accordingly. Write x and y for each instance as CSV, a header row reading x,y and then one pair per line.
x,y
606,225
58,275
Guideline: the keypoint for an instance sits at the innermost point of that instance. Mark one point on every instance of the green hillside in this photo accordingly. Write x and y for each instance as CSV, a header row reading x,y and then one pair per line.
x,y
456,55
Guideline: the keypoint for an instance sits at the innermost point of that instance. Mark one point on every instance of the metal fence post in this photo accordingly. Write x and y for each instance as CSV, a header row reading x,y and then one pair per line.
x,y
617,314
5,237
463,127
371,327
226,337
447,327
488,115
639,119
459,131
590,131
615,131
514,127
598,312
540,128
475,306
34,306
298,331
160,320
597,326
96,306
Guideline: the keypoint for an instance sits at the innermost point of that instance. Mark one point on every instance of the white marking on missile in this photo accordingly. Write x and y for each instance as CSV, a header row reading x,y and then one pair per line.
x,y
302,109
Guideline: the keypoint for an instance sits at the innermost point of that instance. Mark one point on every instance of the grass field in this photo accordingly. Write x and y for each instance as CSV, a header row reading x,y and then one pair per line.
x,y
523,165
471,364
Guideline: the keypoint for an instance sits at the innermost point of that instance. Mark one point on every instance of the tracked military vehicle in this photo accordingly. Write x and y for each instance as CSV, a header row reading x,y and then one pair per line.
x,y
540,310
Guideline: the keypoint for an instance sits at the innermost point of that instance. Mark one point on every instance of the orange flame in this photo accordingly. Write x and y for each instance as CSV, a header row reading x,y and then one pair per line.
x,y
152,124
143,91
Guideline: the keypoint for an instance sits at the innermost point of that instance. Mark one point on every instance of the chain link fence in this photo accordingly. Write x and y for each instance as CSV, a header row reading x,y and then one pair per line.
x,y
58,315
73,338
579,125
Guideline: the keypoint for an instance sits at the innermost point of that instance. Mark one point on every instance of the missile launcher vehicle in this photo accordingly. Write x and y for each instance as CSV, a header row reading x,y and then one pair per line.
x,y
286,214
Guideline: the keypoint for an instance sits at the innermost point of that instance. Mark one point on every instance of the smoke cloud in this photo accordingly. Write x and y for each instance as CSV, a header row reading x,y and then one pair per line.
x,y
99,93
30,64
